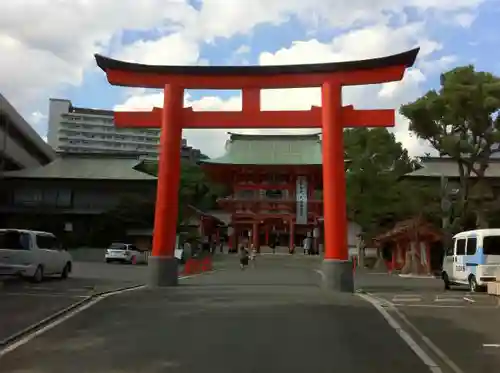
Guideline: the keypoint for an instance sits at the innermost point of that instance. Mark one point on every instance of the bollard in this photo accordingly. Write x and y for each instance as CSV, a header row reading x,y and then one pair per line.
x,y
188,267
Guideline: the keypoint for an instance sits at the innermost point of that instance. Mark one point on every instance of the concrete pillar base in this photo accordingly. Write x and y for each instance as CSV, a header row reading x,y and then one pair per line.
x,y
337,275
163,271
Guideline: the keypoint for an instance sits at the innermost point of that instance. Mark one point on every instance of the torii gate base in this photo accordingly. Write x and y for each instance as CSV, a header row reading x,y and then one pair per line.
x,y
332,118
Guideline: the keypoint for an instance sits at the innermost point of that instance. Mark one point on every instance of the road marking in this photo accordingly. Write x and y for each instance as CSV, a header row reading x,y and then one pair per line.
x,y
494,345
424,357
469,300
438,299
398,299
54,295
428,305
451,364
75,312
39,287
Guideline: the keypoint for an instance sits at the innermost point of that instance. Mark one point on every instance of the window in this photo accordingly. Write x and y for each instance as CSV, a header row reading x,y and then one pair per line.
x,y
63,198
27,196
450,250
461,246
471,245
274,194
14,240
491,245
45,241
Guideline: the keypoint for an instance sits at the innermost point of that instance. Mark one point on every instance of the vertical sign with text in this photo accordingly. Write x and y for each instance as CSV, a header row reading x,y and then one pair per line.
x,y
301,193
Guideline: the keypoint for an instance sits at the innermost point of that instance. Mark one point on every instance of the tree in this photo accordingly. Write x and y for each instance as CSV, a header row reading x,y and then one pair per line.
x,y
461,121
376,163
377,197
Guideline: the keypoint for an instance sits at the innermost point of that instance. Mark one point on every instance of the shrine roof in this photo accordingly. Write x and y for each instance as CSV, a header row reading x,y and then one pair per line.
x,y
405,59
436,167
86,166
408,228
272,150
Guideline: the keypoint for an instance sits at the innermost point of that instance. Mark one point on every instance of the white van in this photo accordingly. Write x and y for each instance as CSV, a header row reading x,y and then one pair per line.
x,y
32,254
473,259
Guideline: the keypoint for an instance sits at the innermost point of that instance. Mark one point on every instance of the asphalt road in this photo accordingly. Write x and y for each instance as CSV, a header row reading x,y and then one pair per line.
x,y
23,303
462,327
271,318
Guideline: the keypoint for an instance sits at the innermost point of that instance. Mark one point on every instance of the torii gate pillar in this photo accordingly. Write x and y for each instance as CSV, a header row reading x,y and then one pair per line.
x,y
163,264
336,268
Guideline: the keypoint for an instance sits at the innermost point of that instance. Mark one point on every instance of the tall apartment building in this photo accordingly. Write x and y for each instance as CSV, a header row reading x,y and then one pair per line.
x,y
74,129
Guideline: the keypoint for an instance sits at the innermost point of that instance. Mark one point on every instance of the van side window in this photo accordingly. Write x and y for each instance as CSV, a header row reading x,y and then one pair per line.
x,y
471,245
14,240
449,251
44,241
491,245
461,246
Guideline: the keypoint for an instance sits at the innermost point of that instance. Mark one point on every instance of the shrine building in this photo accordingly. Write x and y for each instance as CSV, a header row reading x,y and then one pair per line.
x,y
274,183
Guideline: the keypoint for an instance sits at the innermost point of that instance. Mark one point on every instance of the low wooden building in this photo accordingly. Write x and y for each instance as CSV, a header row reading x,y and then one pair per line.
x,y
411,246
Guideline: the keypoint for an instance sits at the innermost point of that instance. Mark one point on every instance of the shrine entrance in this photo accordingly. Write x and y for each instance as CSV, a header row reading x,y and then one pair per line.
x,y
332,117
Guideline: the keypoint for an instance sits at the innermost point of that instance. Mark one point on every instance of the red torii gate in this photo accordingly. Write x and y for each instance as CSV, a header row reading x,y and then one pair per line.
x,y
332,118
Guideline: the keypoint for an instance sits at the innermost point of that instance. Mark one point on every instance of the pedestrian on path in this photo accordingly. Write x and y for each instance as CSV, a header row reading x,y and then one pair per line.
x,y
243,257
305,245
253,255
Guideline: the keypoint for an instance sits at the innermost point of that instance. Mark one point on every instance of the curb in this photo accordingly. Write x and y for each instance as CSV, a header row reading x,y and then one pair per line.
x,y
40,324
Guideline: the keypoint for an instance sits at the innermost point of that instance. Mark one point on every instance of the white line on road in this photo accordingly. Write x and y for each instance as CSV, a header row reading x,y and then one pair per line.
x,y
53,295
494,345
427,305
438,299
469,300
75,312
426,359
454,367
408,299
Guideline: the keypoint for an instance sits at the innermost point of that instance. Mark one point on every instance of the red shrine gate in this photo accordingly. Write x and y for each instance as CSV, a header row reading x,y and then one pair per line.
x,y
332,118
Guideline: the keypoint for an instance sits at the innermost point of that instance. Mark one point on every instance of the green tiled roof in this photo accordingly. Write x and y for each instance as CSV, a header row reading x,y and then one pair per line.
x,y
438,167
94,167
271,150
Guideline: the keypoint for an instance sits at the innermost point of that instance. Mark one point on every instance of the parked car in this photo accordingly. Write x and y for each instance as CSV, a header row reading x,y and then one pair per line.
x,y
473,259
32,254
125,253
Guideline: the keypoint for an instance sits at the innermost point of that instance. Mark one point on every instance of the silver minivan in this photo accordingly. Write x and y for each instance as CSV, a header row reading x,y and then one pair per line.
x,y
32,254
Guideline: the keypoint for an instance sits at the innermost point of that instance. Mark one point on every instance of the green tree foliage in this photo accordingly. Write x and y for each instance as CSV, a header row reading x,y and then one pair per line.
x,y
460,120
377,197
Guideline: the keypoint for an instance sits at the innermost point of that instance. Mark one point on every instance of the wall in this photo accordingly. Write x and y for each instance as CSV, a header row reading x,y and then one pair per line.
x,y
20,145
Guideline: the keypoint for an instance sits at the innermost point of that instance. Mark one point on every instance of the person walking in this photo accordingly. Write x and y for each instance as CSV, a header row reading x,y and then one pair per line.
x,y
305,245
253,255
243,257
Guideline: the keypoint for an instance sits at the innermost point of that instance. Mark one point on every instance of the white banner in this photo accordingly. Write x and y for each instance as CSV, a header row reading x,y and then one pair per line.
x,y
301,193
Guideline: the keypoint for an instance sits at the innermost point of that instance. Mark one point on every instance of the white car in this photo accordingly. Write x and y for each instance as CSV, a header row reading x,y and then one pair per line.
x,y
125,253
32,254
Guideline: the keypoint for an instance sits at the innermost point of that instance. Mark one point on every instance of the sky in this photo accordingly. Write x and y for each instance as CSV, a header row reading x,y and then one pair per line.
x,y
47,48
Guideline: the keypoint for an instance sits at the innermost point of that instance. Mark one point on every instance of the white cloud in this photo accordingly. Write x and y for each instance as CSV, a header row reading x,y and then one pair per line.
x,y
243,49
174,49
54,41
369,42
464,19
